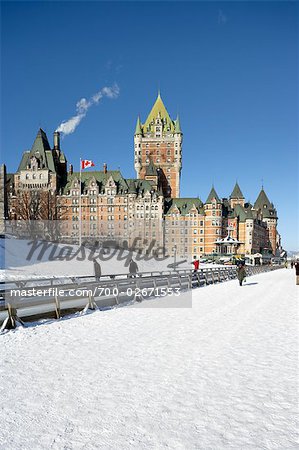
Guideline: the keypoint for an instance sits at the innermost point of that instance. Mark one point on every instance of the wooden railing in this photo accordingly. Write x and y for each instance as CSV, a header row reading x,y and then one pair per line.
x,y
111,290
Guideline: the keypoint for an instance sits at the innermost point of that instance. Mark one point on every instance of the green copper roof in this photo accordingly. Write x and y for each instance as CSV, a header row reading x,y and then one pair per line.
x,y
138,129
184,205
151,169
123,185
41,150
178,126
237,193
132,187
159,110
262,201
212,194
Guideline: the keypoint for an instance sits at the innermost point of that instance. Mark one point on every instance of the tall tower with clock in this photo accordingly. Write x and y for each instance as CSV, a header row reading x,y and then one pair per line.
x,y
158,147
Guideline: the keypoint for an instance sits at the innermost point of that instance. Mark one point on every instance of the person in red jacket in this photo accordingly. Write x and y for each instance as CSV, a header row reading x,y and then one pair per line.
x,y
196,265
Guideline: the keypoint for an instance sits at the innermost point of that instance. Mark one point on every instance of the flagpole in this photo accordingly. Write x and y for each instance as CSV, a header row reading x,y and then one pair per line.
x,y
80,211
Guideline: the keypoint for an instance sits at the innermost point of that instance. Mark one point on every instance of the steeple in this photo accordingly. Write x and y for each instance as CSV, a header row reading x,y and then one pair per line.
x,y
138,129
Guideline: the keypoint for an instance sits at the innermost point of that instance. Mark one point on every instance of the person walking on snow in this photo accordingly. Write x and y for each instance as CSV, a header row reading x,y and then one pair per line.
x,y
97,270
241,273
133,268
296,265
196,265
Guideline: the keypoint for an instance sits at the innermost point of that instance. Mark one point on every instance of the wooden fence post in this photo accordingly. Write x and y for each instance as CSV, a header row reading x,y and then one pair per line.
x,y
57,307
12,321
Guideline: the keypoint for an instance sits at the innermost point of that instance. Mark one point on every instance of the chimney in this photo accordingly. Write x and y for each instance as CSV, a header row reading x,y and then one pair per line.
x,y
105,167
56,140
71,169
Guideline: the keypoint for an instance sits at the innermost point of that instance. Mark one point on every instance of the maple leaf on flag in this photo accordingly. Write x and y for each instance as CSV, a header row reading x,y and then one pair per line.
x,y
85,163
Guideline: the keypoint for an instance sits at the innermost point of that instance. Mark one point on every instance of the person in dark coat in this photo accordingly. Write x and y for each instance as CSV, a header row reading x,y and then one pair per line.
x,y
241,273
97,270
296,265
133,268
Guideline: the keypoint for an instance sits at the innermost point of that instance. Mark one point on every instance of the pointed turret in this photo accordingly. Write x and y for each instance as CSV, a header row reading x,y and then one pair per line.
x,y
212,194
262,201
236,197
138,129
237,193
41,143
177,128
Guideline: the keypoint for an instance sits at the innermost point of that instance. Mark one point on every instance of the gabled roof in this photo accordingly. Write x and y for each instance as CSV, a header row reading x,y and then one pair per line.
x,y
184,205
123,185
262,200
237,193
213,194
101,178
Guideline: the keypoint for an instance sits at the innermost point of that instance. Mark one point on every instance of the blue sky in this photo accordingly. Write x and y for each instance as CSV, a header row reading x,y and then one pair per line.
x,y
230,69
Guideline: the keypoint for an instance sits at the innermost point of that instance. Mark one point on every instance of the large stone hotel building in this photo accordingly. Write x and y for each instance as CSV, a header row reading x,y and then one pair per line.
x,y
148,207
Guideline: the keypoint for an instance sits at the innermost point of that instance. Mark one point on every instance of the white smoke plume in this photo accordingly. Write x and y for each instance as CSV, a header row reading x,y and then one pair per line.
x,y
83,105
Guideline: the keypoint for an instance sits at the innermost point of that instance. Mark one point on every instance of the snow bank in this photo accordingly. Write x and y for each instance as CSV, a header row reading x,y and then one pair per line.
x,y
222,375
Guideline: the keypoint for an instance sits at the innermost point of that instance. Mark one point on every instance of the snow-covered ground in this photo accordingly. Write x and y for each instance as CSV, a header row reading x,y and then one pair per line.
x,y
219,375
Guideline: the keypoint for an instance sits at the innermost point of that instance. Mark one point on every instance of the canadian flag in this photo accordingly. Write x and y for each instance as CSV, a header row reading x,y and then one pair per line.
x,y
85,163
